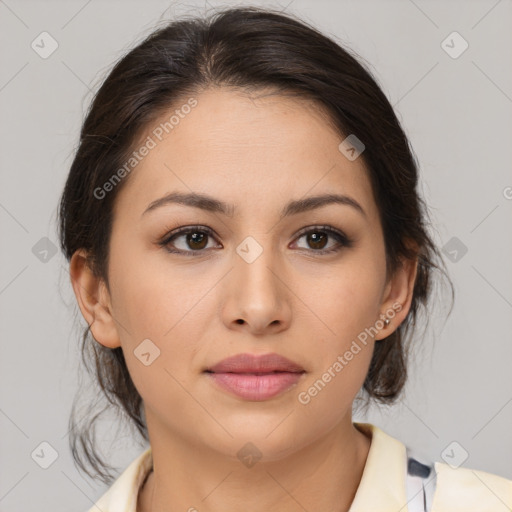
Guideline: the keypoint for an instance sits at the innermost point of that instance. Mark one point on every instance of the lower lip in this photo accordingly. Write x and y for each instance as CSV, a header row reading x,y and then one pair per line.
x,y
256,387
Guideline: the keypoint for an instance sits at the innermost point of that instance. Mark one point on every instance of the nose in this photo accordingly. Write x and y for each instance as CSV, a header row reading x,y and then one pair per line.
x,y
258,291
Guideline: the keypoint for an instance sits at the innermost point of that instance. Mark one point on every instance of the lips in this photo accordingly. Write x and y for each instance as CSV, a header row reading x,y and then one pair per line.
x,y
253,364
255,378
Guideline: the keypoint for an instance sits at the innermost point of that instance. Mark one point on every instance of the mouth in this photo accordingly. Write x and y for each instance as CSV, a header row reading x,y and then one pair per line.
x,y
254,364
255,378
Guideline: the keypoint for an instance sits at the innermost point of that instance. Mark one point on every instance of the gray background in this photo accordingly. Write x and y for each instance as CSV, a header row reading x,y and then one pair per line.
x,y
457,113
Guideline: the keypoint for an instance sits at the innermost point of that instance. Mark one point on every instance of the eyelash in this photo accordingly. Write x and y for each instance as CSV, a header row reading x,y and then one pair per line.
x,y
340,237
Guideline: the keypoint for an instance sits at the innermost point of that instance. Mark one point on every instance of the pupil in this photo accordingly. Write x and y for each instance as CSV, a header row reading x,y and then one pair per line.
x,y
197,238
315,237
317,240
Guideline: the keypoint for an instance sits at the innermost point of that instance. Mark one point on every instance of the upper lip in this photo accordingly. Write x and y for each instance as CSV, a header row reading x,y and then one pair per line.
x,y
250,363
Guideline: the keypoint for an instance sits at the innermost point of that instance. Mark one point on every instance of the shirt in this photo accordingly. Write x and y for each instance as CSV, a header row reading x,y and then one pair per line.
x,y
382,487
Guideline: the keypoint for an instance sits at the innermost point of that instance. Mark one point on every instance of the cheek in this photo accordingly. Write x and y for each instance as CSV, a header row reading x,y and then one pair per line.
x,y
330,391
348,307
152,296
166,304
348,300
161,306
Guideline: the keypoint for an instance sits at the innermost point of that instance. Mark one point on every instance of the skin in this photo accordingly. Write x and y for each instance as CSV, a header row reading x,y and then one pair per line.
x,y
257,152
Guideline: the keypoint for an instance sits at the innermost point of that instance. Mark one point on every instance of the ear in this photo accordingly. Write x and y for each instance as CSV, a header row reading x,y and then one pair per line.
x,y
94,300
397,296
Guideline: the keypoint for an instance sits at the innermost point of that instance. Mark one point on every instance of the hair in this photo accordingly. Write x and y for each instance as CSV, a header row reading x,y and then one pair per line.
x,y
247,48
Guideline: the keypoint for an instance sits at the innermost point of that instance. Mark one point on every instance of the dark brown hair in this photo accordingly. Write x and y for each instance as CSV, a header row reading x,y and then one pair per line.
x,y
244,48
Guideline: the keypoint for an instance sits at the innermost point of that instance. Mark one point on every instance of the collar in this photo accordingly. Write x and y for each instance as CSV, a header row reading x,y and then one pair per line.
x,y
382,486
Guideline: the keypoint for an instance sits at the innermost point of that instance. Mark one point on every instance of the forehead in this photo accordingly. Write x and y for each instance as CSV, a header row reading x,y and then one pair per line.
x,y
253,150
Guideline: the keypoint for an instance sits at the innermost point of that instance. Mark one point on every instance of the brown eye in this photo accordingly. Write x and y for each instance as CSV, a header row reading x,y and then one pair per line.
x,y
193,240
317,239
187,240
196,240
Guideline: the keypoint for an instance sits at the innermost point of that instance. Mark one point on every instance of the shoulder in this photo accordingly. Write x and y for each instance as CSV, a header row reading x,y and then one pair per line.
x,y
470,490
397,477
123,493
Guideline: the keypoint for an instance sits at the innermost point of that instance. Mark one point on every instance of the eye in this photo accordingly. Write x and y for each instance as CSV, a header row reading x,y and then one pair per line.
x,y
317,237
195,239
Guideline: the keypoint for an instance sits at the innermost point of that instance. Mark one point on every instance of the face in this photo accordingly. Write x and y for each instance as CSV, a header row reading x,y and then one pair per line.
x,y
250,280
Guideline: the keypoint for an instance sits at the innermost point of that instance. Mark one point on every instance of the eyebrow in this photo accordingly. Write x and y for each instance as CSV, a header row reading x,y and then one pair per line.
x,y
210,204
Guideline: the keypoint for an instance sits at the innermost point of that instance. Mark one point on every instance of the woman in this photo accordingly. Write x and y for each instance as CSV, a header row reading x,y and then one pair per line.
x,y
248,247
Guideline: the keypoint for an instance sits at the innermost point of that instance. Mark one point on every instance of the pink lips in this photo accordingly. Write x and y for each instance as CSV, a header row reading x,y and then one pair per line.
x,y
256,377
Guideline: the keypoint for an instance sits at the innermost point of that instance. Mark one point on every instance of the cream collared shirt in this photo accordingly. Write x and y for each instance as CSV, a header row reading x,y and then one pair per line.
x,y
382,487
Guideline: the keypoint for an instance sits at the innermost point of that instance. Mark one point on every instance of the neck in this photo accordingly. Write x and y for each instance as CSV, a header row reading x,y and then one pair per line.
x,y
323,475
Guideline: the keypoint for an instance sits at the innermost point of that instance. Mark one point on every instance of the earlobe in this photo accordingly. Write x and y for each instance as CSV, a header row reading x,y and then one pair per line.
x,y
94,300
398,297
